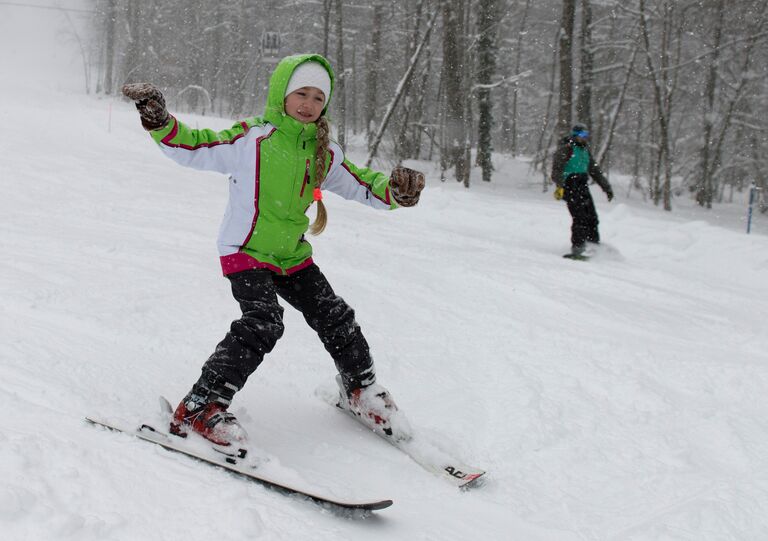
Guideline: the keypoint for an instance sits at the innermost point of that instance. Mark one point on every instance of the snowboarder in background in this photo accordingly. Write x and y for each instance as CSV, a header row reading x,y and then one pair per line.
x,y
572,165
278,167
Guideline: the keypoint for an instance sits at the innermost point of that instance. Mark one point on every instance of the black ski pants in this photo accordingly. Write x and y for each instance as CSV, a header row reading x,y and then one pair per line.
x,y
261,326
582,209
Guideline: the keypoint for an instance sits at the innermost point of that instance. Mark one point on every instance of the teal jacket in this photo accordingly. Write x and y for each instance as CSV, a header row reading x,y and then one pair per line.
x,y
270,163
572,158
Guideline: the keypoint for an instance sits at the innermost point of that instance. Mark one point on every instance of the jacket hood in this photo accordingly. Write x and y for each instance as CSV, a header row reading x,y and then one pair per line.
x,y
278,83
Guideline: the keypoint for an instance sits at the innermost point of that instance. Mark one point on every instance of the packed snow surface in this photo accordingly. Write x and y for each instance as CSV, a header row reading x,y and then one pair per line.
x,y
623,398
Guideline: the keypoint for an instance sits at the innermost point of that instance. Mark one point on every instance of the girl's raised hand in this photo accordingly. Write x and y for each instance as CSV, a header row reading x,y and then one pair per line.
x,y
406,185
150,103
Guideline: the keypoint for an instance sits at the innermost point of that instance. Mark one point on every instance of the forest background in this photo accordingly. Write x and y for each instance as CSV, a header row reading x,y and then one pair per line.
x,y
675,91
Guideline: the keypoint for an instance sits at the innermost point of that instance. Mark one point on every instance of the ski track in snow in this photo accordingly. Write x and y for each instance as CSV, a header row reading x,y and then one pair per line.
x,y
617,399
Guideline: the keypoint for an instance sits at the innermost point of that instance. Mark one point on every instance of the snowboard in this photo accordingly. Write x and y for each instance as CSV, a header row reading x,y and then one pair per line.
x,y
577,257
176,444
599,252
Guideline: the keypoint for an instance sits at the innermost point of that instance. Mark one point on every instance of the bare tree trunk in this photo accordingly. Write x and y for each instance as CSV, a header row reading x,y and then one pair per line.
x,y
637,155
441,101
738,95
464,163
454,137
326,25
516,84
403,147
197,59
660,90
486,66
507,138
606,144
341,95
238,73
83,53
353,84
399,90
584,100
542,149
215,48
419,109
705,190
110,17
566,66
372,61
131,62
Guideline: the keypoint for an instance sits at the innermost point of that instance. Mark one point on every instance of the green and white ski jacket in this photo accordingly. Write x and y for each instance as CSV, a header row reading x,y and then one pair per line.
x,y
270,163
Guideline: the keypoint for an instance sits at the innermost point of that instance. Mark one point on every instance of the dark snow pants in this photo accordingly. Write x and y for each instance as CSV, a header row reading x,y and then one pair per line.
x,y
582,209
261,326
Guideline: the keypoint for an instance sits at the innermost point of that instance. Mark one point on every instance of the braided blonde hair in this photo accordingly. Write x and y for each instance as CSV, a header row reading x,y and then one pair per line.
x,y
323,141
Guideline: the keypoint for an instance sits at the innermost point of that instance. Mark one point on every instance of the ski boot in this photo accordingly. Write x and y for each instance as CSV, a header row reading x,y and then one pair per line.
x,y
374,407
204,412
578,250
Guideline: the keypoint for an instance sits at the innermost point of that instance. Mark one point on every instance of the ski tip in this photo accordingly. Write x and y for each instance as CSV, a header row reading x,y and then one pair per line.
x,y
165,405
378,506
352,507
473,480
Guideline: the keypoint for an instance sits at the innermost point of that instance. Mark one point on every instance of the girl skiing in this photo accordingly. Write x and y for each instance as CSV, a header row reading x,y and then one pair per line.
x,y
278,166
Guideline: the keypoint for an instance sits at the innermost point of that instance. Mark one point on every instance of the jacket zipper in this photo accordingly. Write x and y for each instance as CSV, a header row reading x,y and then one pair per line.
x,y
306,179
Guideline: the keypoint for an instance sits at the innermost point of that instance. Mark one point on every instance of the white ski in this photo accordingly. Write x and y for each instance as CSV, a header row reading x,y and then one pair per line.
x,y
175,444
424,453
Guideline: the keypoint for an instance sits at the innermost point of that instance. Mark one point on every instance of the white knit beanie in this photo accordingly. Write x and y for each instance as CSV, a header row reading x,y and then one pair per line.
x,y
310,74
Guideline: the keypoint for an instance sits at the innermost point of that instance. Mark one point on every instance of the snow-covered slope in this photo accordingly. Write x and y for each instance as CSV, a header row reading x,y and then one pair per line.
x,y
621,398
